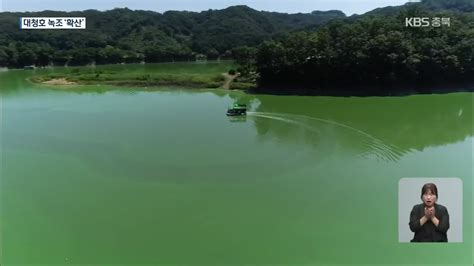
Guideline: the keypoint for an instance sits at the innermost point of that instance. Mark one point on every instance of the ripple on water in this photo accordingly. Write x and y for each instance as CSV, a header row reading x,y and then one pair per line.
x,y
369,145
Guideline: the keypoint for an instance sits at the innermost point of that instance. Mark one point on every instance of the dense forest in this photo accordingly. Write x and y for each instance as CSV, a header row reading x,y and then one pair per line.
x,y
316,51
372,52
123,35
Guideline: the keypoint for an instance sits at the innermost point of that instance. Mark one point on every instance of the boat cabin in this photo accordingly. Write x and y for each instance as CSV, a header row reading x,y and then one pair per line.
x,y
237,109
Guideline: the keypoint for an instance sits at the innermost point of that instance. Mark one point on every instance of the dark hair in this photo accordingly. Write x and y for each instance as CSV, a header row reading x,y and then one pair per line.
x,y
429,187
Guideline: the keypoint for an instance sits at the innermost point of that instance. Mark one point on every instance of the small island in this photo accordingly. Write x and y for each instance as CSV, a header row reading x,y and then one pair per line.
x,y
208,78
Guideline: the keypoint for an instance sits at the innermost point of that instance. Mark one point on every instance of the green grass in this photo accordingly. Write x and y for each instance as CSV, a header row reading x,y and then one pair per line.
x,y
189,75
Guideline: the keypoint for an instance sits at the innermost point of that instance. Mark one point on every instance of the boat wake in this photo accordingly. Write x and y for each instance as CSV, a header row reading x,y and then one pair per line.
x,y
372,146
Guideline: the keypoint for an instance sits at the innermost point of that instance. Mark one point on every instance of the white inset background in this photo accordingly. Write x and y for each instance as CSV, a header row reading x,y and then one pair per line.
x,y
450,193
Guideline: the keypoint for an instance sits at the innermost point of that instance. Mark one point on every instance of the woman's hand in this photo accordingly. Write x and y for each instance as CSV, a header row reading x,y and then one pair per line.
x,y
429,213
426,217
433,218
429,216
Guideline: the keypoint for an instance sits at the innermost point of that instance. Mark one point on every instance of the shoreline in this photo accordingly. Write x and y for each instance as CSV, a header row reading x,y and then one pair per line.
x,y
63,83
368,91
223,80
266,91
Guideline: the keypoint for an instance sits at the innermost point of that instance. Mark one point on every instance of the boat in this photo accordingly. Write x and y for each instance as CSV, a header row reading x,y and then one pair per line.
x,y
237,110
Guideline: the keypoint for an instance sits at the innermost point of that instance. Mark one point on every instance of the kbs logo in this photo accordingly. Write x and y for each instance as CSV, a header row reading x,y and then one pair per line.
x,y
421,22
417,22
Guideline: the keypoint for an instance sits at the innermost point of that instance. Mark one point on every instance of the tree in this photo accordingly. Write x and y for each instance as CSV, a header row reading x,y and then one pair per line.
x,y
212,54
4,58
26,57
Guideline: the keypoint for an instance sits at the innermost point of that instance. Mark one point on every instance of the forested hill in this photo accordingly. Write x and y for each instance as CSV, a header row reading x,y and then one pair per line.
x,y
124,35
377,53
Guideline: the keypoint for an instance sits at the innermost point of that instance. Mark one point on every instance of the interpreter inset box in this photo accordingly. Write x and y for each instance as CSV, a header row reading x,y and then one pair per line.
x,y
430,209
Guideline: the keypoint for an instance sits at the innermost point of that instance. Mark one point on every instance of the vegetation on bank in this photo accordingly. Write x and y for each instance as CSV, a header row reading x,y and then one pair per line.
x,y
86,76
139,80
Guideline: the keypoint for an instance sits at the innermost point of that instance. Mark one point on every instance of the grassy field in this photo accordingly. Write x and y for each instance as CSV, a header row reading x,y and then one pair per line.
x,y
188,75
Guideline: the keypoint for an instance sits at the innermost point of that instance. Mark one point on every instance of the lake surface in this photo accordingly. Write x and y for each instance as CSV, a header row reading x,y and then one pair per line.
x,y
164,177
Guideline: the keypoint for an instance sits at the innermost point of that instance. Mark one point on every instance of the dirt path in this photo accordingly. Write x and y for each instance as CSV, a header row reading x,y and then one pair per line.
x,y
60,81
228,80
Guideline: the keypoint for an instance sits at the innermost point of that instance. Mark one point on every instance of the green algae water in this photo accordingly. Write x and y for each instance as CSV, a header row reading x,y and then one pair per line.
x,y
130,177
